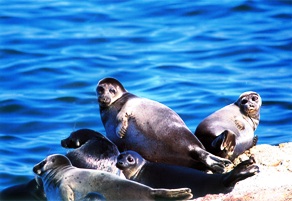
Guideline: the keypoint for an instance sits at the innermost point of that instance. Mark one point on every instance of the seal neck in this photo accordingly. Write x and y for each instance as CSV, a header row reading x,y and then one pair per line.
x,y
253,120
54,176
139,169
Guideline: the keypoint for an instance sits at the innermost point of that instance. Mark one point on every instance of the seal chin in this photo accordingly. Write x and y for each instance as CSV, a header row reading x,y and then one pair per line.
x,y
64,143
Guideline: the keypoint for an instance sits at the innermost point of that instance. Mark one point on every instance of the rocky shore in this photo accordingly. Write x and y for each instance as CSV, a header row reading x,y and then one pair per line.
x,y
274,182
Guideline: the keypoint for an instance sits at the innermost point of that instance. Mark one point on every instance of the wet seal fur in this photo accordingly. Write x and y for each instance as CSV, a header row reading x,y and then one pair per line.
x,y
92,150
228,132
62,181
159,175
151,128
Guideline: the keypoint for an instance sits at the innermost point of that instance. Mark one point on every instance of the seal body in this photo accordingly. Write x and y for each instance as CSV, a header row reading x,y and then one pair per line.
x,y
229,131
92,150
159,175
62,181
150,128
25,192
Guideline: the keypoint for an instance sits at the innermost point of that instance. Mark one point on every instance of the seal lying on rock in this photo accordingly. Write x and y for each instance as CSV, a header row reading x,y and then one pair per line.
x,y
150,128
229,131
159,175
92,151
62,181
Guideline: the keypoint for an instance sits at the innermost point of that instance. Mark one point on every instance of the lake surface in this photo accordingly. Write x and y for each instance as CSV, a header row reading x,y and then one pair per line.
x,y
195,57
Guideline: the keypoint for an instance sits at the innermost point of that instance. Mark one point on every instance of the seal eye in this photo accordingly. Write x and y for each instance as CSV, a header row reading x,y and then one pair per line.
x,y
113,91
100,90
130,159
254,98
244,101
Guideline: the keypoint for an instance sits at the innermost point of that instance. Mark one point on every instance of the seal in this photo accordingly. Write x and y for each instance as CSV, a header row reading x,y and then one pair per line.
x,y
92,150
228,132
62,181
159,175
150,128
25,192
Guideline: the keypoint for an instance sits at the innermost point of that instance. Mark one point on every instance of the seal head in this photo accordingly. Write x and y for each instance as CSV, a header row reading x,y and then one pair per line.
x,y
92,150
109,90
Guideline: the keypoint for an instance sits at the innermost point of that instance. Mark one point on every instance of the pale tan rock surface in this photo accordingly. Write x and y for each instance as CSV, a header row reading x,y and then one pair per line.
x,y
273,183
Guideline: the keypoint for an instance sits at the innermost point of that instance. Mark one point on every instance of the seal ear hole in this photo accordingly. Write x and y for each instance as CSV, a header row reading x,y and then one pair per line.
x,y
244,101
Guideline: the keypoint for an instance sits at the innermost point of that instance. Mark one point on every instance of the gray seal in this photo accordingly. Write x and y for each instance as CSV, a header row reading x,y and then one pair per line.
x,y
62,181
228,132
151,128
159,175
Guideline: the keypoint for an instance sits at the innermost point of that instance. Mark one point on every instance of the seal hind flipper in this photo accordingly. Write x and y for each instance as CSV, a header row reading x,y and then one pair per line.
x,y
216,163
242,171
172,194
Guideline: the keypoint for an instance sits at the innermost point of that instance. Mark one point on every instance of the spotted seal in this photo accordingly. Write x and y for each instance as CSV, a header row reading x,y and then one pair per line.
x,y
228,132
62,181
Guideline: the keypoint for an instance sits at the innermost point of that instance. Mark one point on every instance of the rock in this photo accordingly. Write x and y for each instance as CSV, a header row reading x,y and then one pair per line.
x,y
274,182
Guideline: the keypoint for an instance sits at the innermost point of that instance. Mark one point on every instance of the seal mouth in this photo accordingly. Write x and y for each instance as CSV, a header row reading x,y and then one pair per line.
x,y
64,143
37,170
104,101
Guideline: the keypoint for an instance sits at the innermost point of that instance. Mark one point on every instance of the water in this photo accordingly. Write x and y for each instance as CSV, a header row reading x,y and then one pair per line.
x,y
195,57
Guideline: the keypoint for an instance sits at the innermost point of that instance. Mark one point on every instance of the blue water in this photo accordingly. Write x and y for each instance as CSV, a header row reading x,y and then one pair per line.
x,y
195,57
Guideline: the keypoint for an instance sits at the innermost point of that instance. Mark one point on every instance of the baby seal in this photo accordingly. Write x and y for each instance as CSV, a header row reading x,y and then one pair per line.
x,y
150,128
62,181
159,175
229,131
92,151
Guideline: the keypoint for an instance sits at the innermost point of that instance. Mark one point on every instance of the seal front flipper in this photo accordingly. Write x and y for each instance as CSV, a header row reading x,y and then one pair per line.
x,y
122,127
242,171
225,142
255,140
172,194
